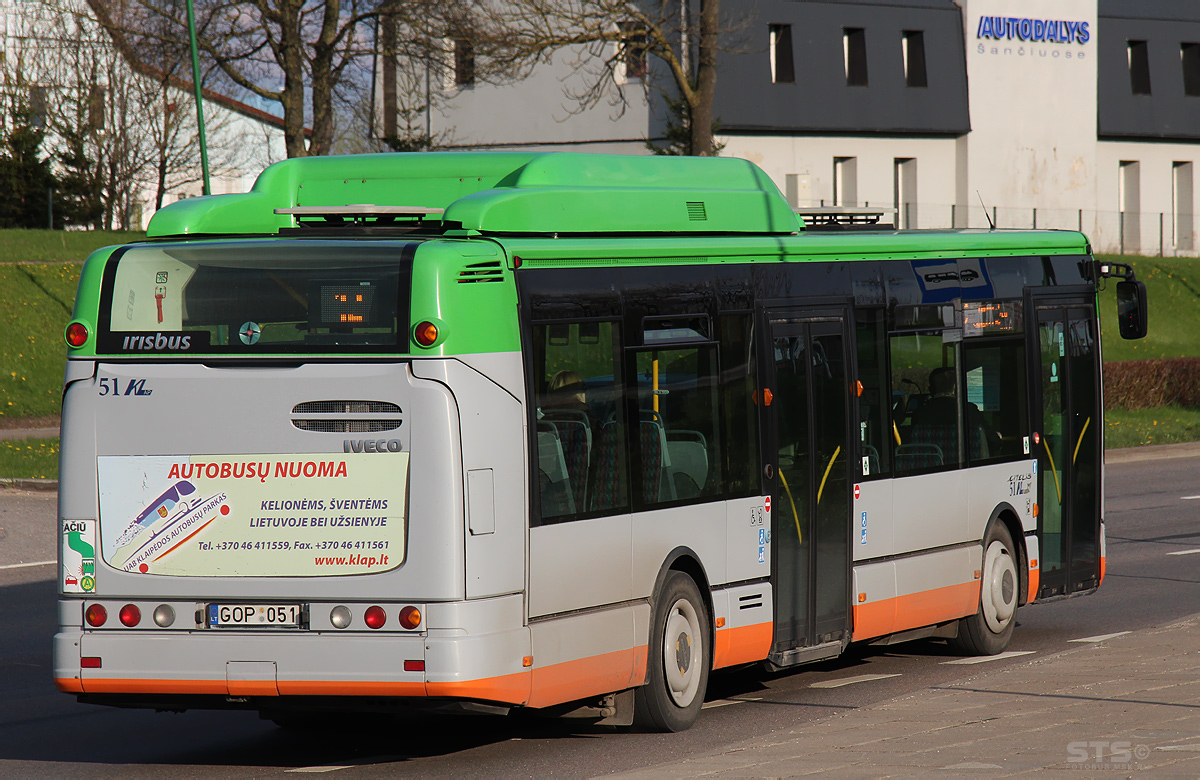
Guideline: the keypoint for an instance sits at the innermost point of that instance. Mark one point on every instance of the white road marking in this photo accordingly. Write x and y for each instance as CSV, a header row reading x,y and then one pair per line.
x,y
27,565
1185,552
851,680
1188,498
1188,748
708,705
986,658
318,769
1100,638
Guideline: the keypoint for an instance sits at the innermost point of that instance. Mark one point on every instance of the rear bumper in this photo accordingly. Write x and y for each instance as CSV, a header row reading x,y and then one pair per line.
x,y
475,661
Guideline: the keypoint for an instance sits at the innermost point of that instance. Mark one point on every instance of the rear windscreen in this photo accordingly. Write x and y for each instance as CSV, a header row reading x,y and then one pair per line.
x,y
245,298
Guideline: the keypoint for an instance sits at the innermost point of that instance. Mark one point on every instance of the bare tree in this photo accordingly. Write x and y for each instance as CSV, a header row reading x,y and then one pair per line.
x,y
295,52
615,41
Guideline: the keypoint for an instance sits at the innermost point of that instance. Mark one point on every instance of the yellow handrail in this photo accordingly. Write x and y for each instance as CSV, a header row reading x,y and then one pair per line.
x,y
828,468
1080,442
792,501
1053,470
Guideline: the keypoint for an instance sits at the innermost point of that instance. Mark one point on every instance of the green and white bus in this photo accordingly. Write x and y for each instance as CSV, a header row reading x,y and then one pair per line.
x,y
560,431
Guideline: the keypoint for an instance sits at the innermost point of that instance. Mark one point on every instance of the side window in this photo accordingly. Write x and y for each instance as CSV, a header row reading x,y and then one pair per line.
x,y
580,432
997,415
678,453
926,416
874,412
738,385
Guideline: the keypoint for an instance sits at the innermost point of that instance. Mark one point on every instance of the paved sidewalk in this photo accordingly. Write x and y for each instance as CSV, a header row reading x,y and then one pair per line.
x,y
1130,704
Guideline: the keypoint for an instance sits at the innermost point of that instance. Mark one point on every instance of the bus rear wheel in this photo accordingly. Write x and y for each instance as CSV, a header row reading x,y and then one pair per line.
x,y
989,630
679,659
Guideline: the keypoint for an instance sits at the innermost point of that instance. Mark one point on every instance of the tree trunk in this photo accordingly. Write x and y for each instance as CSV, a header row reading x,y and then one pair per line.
x,y
322,80
706,80
291,51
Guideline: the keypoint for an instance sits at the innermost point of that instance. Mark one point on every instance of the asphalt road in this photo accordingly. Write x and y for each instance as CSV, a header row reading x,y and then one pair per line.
x,y
1153,513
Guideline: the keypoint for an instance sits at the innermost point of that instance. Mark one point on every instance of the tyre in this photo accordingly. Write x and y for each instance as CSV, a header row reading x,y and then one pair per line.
x,y
679,659
989,630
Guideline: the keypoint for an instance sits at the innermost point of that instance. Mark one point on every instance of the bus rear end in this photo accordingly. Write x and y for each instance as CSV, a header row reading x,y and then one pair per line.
x,y
263,497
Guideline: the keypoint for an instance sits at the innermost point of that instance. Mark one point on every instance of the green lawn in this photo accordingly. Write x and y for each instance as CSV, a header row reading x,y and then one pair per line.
x,y
29,458
57,246
1163,425
35,305
1173,290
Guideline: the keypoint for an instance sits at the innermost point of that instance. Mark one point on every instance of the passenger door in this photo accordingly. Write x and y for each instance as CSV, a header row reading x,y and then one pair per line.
x,y
1068,427
806,404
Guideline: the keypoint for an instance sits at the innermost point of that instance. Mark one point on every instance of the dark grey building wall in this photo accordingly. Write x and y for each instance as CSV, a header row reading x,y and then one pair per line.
x,y
1166,113
820,101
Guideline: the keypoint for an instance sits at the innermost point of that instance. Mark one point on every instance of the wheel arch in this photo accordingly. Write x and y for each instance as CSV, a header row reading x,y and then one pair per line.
x,y
1006,514
684,559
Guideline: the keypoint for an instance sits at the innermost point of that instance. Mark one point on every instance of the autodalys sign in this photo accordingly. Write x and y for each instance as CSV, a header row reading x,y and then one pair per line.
x,y
1014,28
252,515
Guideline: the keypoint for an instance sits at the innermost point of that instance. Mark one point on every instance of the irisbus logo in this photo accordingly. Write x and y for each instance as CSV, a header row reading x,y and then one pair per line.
x,y
157,341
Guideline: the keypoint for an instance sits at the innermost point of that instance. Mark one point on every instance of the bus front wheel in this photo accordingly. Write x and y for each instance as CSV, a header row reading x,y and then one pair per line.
x,y
989,630
679,659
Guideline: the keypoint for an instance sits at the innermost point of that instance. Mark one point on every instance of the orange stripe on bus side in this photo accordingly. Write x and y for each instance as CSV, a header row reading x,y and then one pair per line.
x,y
572,680
509,688
253,688
350,688
916,610
1035,580
115,685
742,645
1103,567
69,684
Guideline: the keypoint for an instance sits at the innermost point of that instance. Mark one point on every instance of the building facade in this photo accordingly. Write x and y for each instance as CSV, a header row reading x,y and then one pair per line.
x,y
1081,114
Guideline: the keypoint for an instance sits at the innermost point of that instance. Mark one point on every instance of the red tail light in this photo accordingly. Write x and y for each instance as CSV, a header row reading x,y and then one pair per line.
x,y
425,333
96,615
76,334
410,617
375,617
130,615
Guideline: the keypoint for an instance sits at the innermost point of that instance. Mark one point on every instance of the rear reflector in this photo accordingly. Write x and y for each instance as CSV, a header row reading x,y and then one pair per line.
x,y
414,666
90,662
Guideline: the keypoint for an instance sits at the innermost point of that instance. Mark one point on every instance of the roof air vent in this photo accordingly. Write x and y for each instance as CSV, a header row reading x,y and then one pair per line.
x,y
696,211
481,272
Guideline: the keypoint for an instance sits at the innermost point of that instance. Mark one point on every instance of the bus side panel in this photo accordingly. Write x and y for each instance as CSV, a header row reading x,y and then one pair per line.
x,y
988,487
874,600
77,466
579,565
700,528
584,655
936,587
872,532
493,453
747,541
928,511
746,635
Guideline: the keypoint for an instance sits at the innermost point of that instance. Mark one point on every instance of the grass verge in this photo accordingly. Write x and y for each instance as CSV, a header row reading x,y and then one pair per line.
x,y
57,246
1161,425
29,458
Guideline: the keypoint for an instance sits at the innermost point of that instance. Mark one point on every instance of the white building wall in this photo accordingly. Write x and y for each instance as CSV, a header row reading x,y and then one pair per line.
x,y
1159,223
1033,116
538,112
810,160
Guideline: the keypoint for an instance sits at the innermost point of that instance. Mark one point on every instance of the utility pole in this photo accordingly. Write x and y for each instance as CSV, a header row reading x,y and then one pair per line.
x,y
191,20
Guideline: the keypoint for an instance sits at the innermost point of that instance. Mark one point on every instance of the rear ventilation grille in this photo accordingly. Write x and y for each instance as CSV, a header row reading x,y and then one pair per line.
x,y
481,272
347,416
750,602
696,211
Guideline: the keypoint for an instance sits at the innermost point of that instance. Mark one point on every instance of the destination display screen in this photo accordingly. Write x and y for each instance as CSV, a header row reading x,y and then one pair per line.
x,y
992,318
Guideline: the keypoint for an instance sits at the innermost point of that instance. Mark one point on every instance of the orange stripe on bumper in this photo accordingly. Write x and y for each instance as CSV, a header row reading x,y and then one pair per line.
x,y
599,674
1035,580
742,645
69,684
915,610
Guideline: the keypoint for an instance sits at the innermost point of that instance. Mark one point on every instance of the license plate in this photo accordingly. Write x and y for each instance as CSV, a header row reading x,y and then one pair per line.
x,y
254,615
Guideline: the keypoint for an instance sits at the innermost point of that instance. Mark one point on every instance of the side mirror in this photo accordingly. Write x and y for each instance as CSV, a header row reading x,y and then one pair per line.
x,y
1131,309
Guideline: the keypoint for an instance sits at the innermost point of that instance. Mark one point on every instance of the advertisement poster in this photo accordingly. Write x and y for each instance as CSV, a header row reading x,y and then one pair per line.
x,y
253,515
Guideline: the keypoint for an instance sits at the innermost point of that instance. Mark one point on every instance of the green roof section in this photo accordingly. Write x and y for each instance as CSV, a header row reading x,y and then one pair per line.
x,y
506,193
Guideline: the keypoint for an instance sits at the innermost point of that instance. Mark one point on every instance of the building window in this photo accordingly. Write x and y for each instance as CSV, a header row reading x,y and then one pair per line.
x,y
464,62
913,44
633,50
1129,196
782,69
1182,199
95,109
1189,57
845,181
37,106
854,49
1139,67
904,188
